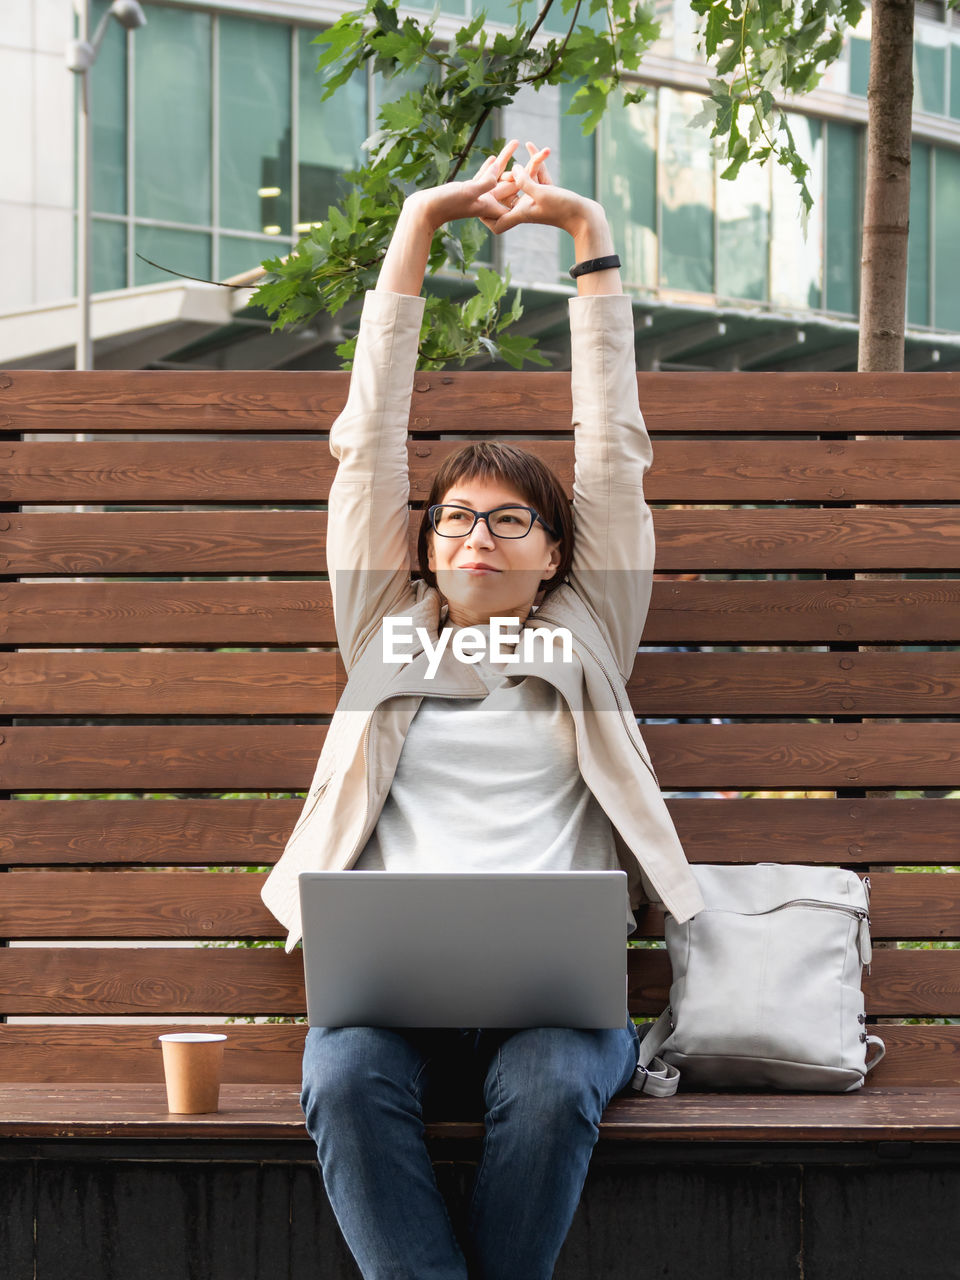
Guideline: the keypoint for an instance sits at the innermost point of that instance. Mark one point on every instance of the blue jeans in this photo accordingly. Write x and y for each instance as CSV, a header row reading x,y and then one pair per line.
x,y
541,1091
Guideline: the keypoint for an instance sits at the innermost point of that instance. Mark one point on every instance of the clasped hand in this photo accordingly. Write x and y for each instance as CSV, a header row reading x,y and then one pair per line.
x,y
503,198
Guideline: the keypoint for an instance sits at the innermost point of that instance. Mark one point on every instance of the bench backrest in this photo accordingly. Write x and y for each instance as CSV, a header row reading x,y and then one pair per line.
x,y
166,632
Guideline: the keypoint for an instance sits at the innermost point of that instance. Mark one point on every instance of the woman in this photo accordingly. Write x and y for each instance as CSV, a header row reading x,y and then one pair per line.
x,y
553,774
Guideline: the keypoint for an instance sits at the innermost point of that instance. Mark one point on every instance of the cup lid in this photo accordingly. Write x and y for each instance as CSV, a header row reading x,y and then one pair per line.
x,y
193,1037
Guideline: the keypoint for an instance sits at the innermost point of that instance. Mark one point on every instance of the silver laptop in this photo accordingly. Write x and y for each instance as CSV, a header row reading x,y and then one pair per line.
x,y
484,949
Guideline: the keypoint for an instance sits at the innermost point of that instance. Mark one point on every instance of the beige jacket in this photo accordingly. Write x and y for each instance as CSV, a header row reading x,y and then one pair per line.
x,y
604,607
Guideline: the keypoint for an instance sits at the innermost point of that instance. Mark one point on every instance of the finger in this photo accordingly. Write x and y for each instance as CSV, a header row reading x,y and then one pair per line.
x,y
537,166
505,153
506,187
537,158
483,168
527,183
488,206
511,218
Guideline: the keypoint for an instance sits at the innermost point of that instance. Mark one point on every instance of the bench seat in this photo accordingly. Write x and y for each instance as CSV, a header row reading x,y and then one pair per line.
x,y
269,1112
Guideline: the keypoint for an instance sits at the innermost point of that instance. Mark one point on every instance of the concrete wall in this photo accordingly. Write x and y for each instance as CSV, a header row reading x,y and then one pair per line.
x,y
37,123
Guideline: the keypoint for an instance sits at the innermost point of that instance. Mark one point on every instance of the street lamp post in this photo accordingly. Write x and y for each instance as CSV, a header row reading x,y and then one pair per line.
x,y
81,55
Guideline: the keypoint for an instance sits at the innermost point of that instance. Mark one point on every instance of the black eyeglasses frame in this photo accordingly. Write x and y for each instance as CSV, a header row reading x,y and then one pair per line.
x,y
484,516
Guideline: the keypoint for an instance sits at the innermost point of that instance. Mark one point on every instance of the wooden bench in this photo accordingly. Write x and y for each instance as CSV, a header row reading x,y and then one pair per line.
x,y
174,636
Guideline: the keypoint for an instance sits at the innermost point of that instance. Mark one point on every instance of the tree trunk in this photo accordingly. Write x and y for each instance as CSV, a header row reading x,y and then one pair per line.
x,y
886,214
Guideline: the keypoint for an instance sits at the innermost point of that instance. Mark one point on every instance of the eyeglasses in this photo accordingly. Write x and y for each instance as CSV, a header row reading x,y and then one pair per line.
x,y
452,521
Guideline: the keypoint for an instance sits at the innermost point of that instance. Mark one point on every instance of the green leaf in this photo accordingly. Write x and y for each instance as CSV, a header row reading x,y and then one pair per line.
x,y
516,349
403,114
715,31
591,102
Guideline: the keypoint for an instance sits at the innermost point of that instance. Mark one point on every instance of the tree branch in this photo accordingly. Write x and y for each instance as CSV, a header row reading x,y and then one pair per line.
x,y
462,157
563,48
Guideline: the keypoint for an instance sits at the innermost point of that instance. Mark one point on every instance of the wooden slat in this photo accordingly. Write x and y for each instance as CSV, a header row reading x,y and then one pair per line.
x,y
204,905
154,981
195,542
160,401
243,757
213,905
875,612
300,613
236,757
51,1053
908,906
851,832
301,471
163,613
703,541
186,471
805,756
663,684
271,1054
219,684
148,832
917,1055
205,832
161,981
735,471
108,1110
879,1114
909,539
795,684
136,401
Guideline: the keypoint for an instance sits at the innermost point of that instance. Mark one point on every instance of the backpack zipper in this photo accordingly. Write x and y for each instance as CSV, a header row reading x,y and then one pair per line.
x,y
858,913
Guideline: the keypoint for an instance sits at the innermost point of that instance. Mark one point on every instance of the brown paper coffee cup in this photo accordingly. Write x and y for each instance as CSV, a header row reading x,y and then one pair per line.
x,y
192,1065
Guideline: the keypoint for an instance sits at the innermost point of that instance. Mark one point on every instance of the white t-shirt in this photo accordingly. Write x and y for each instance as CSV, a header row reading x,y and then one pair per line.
x,y
492,784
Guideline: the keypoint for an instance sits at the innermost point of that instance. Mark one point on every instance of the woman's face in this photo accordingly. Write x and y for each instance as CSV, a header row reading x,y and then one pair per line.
x,y
481,576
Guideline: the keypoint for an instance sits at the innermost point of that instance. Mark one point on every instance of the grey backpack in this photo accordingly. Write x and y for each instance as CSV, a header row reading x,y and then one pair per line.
x,y
766,984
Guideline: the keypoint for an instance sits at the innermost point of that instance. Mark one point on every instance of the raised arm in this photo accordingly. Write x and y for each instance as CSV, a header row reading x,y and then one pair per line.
x,y
614,552
368,520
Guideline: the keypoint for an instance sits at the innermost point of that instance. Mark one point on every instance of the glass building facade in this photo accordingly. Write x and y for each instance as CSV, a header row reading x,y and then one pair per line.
x,y
225,153
213,151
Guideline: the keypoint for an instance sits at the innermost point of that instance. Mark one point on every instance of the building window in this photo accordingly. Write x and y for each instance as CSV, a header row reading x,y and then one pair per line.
x,y
627,186
930,75
330,133
946,183
186,251
955,81
843,212
859,66
108,112
255,129
108,251
918,242
578,155
173,126
743,234
796,261
686,192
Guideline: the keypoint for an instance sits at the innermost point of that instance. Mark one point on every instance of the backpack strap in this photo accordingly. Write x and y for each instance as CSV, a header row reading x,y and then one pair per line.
x,y
653,1076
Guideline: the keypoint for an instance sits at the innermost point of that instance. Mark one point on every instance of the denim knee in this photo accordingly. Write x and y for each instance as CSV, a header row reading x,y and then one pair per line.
x,y
554,1075
348,1070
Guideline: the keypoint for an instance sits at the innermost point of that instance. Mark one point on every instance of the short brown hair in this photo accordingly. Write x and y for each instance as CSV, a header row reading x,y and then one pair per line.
x,y
532,479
